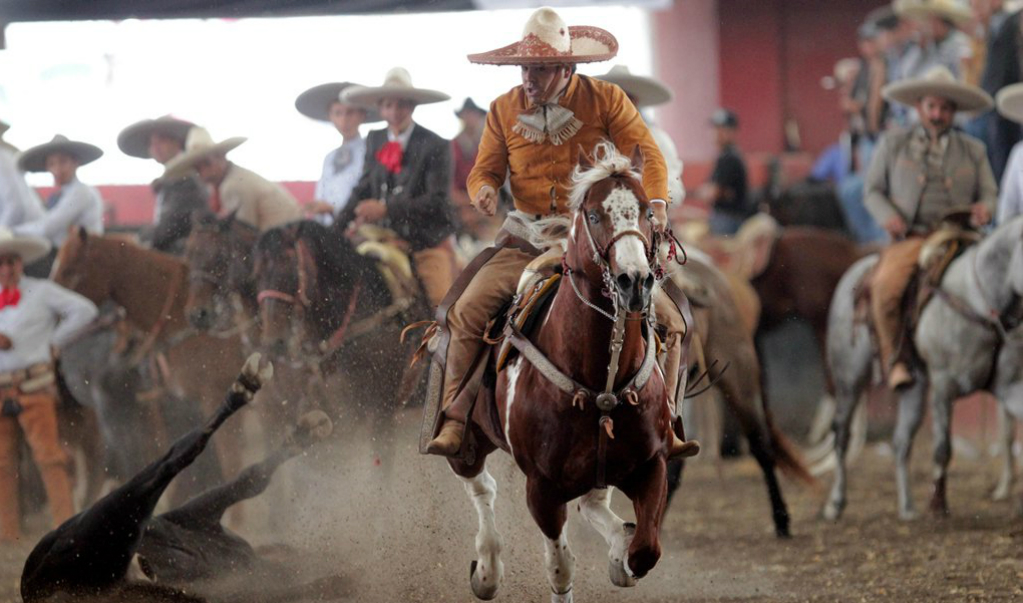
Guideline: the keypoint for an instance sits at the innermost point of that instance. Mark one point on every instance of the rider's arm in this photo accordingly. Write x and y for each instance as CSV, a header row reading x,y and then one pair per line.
x,y
75,201
876,186
627,129
988,188
492,159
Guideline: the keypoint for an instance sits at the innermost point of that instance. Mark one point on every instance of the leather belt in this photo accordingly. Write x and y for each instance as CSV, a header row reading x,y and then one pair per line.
x,y
28,380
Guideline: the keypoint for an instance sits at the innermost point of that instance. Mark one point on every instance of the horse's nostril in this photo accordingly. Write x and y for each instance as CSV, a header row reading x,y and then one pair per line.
x,y
648,282
624,282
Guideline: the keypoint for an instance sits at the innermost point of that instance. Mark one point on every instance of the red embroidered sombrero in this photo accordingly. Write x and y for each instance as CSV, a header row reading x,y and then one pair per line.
x,y
546,40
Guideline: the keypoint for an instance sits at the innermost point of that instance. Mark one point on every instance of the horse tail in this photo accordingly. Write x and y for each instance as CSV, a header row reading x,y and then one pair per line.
x,y
786,456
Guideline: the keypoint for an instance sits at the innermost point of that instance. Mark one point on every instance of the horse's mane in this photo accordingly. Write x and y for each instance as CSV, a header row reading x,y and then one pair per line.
x,y
607,162
335,256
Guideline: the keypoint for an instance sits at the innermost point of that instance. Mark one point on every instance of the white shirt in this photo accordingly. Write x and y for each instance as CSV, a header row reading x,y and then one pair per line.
x,y
403,137
342,169
46,315
18,202
1010,197
79,205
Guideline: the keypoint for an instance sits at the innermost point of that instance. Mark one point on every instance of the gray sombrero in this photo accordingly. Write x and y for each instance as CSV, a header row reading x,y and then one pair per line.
x,y
644,90
134,140
29,248
951,10
397,84
939,81
34,159
315,102
1010,102
198,145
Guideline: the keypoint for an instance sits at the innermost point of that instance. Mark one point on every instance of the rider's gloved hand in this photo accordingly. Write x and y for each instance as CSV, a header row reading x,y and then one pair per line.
x,y
660,208
486,201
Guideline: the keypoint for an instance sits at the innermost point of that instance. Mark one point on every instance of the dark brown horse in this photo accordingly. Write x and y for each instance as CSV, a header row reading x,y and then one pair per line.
x,y
152,287
220,253
570,432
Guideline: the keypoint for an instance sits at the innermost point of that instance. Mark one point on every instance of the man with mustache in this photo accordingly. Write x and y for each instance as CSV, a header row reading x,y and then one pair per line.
x,y
916,178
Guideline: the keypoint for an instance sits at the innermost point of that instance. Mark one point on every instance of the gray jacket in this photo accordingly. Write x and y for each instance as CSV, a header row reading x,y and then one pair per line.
x,y
895,180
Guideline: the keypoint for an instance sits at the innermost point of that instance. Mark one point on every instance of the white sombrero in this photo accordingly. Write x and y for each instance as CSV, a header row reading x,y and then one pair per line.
x,y
547,40
1010,102
28,248
34,159
939,81
315,102
951,10
198,145
134,140
397,84
644,90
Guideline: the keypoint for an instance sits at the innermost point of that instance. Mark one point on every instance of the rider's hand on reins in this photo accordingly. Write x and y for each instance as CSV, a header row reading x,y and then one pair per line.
x,y
979,214
660,209
896,227
486,201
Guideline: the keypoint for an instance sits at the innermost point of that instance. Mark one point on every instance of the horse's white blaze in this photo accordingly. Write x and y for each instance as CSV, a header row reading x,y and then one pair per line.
x,y
482,491
513,370
622,207
560,564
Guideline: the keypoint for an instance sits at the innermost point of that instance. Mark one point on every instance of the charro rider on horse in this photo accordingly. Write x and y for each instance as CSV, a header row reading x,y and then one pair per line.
x,y
534,134
917,176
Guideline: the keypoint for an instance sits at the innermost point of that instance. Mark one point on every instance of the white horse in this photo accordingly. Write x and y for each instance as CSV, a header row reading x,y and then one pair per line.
x,y
968,341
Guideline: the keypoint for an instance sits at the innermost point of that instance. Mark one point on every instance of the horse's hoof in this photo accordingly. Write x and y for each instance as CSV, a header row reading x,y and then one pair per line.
x,y
908,515
484,586
782,531
939,510
255,372
313,426
832,511
618,557
561,598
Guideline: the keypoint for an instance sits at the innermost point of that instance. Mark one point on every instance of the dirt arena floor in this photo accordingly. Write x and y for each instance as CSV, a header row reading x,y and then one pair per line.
x,y
344,527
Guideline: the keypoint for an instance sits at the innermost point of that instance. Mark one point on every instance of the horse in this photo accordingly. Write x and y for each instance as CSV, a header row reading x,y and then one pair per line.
x,y
575,427
324,306
967,339
118,547
151,287
734,370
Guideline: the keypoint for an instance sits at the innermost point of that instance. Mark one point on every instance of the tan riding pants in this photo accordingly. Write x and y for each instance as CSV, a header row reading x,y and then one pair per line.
x,y
493,286
38,422
891,278
435,268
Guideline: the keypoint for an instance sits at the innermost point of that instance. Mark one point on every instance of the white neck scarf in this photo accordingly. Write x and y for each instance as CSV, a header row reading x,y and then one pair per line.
x,y
548,121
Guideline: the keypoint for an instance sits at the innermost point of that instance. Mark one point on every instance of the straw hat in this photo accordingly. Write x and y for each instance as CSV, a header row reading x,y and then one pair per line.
x,y
397,84
28,248
951,10
34,159
315,102
134,140
644,90
199,145
938,81
1010,102
547,40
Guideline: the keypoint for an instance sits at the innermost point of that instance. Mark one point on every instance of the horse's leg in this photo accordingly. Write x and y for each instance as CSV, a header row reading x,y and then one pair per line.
x,y
911,413
675,470
1006,438
596,508
646,487
941,396
846,400
550,512
486,572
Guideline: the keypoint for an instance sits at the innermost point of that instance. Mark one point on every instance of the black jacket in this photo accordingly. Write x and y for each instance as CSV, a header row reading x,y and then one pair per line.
x,y
418,208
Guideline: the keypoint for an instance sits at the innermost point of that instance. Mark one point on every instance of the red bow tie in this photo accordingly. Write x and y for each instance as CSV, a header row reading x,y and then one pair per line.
x,y
9,297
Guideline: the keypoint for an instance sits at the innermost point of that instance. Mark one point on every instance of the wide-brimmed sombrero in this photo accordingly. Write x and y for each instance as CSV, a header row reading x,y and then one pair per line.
x,y
645,91
547,40
315,102
199,145
397,84
34,159
939,81
1009,101
134,140
29,248
952,10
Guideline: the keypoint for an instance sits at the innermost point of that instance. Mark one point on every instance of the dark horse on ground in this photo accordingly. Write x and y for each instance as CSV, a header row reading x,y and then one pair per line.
x,y
326,306
117,547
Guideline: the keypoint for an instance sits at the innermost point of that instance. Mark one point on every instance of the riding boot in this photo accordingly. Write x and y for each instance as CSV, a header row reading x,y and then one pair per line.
x,y
672,369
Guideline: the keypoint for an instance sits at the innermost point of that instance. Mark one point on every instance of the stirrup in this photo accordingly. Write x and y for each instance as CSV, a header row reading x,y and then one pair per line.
x,y
449,441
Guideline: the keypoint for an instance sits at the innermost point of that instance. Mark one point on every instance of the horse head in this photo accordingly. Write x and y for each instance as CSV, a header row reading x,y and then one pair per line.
x,y
281,276
75,267
220,260
611,238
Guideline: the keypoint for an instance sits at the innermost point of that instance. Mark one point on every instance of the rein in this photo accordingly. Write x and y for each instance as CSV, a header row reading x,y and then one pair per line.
x,y
161,321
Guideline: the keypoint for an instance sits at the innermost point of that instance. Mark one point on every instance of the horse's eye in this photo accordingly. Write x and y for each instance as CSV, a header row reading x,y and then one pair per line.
x,y
594,218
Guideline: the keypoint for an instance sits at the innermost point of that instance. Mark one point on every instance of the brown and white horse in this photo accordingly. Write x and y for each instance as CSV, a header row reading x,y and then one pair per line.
x,y
565,444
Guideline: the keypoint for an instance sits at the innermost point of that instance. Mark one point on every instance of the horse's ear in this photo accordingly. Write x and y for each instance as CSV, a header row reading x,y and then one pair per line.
x,y
584,160
637,158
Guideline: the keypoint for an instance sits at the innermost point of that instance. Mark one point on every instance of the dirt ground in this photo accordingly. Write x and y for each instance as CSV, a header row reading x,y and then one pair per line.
x,y
354,530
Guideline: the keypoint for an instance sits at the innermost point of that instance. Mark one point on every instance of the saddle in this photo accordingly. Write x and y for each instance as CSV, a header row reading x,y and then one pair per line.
x,y
392,260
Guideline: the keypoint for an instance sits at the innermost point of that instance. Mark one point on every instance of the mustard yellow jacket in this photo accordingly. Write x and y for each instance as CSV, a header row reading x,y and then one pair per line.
x,y
541,174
